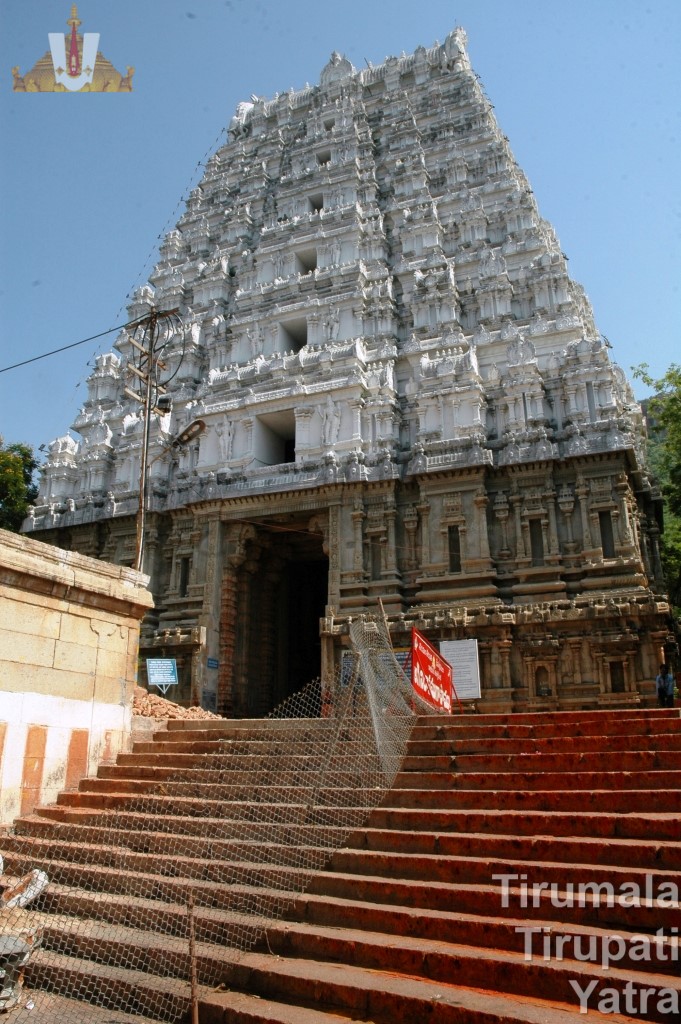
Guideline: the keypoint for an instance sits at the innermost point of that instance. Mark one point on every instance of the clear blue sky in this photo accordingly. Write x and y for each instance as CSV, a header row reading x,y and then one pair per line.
x,y
587,92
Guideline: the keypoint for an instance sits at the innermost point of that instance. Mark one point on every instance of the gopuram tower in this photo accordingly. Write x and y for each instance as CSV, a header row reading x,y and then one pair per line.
x,y
396,391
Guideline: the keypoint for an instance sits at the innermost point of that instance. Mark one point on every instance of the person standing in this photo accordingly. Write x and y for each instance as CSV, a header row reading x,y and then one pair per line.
x,y
665,687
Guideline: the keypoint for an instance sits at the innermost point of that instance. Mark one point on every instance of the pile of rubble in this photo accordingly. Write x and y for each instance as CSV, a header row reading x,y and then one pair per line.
x,y
152,705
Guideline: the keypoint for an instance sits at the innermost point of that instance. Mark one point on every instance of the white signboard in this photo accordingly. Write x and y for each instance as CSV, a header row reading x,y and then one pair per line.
x,y
162,672
462,655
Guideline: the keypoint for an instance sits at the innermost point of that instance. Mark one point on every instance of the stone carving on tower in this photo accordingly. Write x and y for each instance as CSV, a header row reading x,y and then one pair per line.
x,y
380,336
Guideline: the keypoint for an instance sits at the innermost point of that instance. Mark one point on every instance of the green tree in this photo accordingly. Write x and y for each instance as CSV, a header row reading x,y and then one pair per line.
x,y
17,490
664,416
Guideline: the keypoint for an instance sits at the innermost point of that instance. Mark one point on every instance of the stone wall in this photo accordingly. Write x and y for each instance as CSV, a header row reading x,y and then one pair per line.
x,y
69,635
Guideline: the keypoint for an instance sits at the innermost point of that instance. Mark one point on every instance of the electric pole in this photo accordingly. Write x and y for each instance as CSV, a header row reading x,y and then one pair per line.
x,y
146,374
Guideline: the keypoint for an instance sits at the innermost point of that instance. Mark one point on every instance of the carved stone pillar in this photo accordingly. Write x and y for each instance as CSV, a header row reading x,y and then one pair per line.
x,y
622,491
582,492
303,415
505,650
334,555
501,513
495,667
358,515
654,534
410,520
570,401
424,512
209,616
357,408
480,501
516,501
576,651
566,504
248,425
549,497
391,551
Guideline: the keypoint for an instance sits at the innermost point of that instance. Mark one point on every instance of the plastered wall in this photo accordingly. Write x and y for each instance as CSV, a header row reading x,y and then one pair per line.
x,y
69,635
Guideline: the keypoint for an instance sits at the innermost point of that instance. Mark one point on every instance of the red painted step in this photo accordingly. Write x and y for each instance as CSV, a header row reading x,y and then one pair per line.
x,y
565,823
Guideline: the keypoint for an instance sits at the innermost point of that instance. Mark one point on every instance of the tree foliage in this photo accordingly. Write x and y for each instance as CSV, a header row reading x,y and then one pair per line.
x,y
664,415
17,490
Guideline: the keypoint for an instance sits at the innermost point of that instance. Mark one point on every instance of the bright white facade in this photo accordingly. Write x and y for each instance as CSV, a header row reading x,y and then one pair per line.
x,y
405,396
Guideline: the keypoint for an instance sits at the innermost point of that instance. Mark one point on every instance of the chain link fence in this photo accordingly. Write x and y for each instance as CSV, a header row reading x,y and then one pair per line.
x,y
150,885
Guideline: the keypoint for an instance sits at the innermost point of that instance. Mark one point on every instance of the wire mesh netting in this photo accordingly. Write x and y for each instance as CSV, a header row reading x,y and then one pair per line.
x,y
171,864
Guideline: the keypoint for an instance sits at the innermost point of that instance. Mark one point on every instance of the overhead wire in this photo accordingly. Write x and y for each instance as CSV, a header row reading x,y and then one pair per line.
x,y
63,348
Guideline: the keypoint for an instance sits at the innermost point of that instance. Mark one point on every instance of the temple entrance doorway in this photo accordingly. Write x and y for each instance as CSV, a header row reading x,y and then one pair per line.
x,y
280,592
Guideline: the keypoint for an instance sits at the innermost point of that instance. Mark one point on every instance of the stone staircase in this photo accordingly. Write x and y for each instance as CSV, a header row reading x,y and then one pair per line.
x,y
512,855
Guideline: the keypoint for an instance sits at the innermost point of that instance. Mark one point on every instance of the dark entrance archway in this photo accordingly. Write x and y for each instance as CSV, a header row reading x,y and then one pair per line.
x,y
274,596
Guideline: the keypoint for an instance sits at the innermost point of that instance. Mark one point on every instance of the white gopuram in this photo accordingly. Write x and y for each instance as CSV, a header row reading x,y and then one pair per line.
x,y
404,396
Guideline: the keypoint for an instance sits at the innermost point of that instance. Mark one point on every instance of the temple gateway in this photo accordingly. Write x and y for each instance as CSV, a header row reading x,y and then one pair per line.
x,y
394,390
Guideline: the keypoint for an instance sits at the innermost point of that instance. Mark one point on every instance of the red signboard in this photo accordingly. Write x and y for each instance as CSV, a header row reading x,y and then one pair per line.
x,y
431,675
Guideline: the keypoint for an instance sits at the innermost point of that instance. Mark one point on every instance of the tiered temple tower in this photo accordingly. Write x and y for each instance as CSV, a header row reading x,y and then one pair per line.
x,y
404,396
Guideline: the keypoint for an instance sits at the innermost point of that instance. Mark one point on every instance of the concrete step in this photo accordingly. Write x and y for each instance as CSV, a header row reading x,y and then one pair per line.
x,y
475,910
568,850
238,855
46,1008
278,744
525,820
534,968
453,775
606,801
172,806
424,961
399,827
561,824
258,726
492,908
169,888
474,1007
137,828
478,872
243,1008
570,745
225,790
565,721
174,756
606,838
436,791
399,997
110,987
297,755
602,761
567,823
584,781
547,726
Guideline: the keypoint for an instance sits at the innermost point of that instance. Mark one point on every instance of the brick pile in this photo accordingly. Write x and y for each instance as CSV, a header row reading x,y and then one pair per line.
x,y
152,705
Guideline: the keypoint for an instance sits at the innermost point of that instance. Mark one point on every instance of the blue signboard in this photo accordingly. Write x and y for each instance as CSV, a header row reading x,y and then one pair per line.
x,y
162,673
